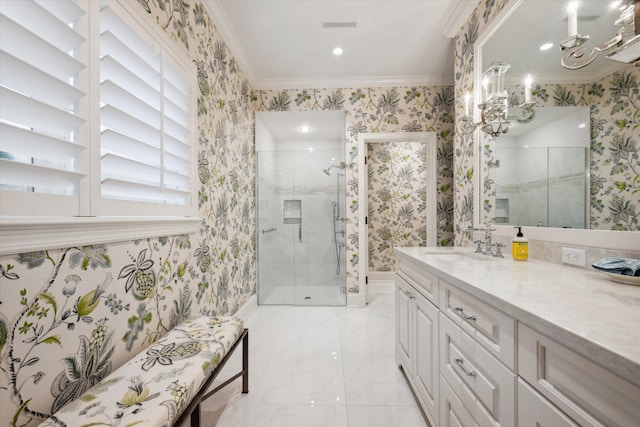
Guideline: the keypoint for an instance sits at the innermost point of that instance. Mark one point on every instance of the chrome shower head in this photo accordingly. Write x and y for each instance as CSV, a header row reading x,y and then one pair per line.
x,y
342,165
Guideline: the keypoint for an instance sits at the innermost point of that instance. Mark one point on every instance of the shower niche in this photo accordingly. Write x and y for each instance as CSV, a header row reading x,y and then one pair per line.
x,y
301,199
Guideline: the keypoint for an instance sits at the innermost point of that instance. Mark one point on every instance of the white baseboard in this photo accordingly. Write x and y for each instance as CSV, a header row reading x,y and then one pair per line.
x,y
381,282
356,300
248,308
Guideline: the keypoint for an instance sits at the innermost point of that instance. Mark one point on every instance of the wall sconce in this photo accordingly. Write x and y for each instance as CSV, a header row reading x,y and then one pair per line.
x,y
624,47
494,110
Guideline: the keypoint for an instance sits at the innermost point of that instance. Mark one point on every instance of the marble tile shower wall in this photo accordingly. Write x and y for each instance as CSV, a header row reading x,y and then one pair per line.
x,y
294,261
289,255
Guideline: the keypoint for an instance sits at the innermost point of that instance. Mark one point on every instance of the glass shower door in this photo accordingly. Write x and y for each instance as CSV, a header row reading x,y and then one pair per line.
x,y
301,242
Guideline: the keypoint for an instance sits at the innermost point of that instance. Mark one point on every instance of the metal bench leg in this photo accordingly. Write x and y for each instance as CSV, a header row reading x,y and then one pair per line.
x,y
245,364
195,416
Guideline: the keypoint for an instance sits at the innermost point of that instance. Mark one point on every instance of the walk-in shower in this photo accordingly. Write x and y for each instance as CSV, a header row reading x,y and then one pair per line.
x,y
301,214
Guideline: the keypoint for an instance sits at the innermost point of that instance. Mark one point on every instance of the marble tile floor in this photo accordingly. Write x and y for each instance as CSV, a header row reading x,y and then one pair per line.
x,y
318,367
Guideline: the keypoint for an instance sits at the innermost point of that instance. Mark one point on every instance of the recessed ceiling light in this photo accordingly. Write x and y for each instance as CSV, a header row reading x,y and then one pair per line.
x,y
615,4
305,129
338,51
582,125
546,46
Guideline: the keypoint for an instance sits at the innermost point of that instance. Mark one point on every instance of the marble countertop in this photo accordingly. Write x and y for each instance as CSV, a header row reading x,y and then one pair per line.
x,y
579,308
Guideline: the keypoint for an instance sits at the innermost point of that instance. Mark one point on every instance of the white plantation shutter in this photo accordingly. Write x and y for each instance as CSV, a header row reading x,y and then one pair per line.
x,y
40,118
133,158
145,115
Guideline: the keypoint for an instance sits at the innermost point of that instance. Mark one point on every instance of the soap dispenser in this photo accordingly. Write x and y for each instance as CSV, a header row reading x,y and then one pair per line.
x,y
520,246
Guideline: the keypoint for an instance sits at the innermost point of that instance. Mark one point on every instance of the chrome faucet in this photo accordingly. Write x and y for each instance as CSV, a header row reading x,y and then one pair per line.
x,y
487,238
488,245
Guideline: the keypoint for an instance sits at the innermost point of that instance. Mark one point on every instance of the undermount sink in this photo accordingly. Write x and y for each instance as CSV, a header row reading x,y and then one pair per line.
x,y
440,250
448,250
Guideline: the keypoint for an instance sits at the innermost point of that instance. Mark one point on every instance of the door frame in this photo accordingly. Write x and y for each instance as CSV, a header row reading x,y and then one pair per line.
x,y
360,299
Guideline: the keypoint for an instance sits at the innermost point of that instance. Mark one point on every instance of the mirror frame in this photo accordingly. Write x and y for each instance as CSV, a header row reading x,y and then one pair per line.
x,y
609,239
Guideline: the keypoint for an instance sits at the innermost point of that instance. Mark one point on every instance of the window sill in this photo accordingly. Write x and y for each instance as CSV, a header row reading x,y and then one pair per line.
x,y
30,234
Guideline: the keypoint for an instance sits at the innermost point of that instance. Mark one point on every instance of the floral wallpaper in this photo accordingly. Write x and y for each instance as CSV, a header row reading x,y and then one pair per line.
x,y
463,166
70,316
397,200
615,145
615,135
395,109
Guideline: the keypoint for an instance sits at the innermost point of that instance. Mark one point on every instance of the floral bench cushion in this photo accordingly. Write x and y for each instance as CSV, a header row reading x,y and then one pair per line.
x,y
154,387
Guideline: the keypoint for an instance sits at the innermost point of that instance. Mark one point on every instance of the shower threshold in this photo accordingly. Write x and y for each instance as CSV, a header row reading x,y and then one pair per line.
x,y
320,295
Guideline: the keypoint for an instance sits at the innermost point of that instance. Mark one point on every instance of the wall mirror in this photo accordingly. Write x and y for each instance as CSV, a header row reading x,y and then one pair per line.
x,y
610,203
539,171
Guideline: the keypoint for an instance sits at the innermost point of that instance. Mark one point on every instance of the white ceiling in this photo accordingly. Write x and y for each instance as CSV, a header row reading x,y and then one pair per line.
x,y
283,44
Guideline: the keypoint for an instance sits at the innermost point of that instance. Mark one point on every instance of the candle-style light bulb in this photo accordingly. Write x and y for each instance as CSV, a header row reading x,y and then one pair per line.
x,y
572,18
485,88
528,81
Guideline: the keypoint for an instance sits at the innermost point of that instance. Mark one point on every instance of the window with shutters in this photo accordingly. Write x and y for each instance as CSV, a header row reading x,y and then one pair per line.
x,y
96,113
41,62
144,117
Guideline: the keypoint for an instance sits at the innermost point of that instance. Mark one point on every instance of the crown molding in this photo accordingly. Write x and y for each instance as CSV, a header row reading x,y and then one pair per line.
x,y
458,13
356,82
222,23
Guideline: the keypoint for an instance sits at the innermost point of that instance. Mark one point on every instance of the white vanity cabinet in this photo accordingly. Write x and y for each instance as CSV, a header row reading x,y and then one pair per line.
x,y
589,394
491,329
536,411
452,411
468,338
417,343
484,385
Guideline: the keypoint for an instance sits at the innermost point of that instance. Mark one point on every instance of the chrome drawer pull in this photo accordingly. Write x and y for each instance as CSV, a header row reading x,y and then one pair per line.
x,y
460,363
460,312
408,294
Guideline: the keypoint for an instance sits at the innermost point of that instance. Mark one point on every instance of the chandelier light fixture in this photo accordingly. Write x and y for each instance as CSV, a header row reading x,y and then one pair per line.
x,y
623,47
494,109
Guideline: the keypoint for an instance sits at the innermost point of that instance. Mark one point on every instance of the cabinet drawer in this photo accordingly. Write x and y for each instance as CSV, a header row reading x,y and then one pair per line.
x,y
484,385
493,329
418,277
536,411
452,411
589,394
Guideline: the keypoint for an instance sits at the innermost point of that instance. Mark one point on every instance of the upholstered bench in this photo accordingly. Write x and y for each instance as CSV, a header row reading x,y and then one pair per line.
x,y
164,384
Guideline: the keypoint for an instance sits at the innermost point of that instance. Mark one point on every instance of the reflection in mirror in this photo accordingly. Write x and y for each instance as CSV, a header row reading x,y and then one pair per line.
x,y
608,89
541,170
